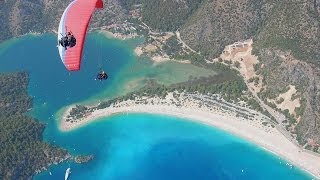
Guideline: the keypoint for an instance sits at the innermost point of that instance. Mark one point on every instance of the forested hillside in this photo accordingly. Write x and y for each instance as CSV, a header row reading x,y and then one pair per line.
x,y
22,150
292,26
19,17
280,71
288,45
168,15
219,23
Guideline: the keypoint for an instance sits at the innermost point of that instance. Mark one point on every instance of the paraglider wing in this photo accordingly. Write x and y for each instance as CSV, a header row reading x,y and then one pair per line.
x,y
75,19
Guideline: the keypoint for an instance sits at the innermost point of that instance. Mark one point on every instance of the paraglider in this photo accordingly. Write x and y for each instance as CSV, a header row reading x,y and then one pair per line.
x,y
68,41
102,76
73,29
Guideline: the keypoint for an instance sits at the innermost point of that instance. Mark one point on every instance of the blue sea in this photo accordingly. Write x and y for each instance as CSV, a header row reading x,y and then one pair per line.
x,y
130,146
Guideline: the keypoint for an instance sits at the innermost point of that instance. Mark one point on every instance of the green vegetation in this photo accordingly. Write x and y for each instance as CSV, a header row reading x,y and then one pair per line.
x,y
278,73
78,112
292,25
301,140
300,110
216,24
279,101
22,151
291,119
21,17
237,64
255,80
253,104
168,15
14,99
128,4
270,92
230,89
227,83
172,47
195,58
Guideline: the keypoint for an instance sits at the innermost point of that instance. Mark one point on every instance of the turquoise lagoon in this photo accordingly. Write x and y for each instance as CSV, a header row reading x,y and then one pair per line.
x,y
130,146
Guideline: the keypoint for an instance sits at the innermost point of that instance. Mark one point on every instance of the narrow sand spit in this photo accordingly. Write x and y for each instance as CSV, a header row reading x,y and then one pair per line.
x,y
265,136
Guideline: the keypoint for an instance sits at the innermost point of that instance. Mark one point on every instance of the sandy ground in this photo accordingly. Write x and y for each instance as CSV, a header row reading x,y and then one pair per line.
x,y
138,51
241,52
287,102
160,59
119,36
266,137
156,58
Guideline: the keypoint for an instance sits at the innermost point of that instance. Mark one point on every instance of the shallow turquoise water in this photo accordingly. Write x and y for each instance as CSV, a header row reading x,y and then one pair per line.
x,y
134,146
145,146
51,86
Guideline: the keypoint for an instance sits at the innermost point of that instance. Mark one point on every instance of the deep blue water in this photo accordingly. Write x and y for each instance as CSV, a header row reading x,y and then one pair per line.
x,y
134,146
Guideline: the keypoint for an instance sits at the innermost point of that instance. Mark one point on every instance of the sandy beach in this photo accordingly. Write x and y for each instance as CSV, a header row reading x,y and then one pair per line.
x,y
254,131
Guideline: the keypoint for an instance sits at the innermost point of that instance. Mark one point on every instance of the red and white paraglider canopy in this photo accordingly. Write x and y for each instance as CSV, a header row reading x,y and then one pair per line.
x,y
75,19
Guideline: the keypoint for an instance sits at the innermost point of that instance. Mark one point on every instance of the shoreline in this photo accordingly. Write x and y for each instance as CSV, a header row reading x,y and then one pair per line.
x,y
266,137
119,36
